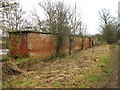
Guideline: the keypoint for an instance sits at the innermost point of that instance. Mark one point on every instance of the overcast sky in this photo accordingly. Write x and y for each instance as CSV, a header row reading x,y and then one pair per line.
x,y
88,8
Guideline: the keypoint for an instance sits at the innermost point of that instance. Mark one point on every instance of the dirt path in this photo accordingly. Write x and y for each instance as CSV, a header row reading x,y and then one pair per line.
x,y
113,80
84,69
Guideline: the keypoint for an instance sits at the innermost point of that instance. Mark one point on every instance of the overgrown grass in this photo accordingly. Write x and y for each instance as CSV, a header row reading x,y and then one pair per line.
x,y
73,56
20,60
56,85
105,63
91,78
19,83
52,68
96,76
5,58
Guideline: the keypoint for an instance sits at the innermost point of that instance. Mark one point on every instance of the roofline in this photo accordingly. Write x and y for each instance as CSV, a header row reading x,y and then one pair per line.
x,y
17,32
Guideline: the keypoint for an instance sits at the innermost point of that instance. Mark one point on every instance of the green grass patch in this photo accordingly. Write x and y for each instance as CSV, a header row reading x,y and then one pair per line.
x,y
19,83
21,60
16,83
56,85
74,56
71,58
105,63
84,81
5,58
52,68
97,78
91,78
3,42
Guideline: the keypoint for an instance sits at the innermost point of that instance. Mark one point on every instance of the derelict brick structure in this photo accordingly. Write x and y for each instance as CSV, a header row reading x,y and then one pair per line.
x,y
87,43
65,47
32,44
41,45
77,43
18,44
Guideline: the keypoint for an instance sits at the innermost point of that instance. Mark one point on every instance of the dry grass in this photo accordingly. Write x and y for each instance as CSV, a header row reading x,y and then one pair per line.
x,y
84,69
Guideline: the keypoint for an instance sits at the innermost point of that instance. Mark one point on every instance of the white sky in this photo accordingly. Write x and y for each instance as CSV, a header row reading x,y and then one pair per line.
x,y
89,9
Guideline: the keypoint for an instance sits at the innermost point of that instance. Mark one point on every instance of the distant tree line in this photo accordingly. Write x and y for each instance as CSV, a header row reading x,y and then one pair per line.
x,y
110,29
60,19
58,16
12,16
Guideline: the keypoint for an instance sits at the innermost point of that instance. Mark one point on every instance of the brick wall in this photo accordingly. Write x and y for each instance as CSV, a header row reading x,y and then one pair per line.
x,y
14,44
77,43
65,47
86,43
18,44
41,45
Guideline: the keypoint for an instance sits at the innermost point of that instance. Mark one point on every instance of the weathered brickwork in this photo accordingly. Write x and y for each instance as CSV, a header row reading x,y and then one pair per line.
x,y
14,44
77,43
65,47
42,46
18,44
86,43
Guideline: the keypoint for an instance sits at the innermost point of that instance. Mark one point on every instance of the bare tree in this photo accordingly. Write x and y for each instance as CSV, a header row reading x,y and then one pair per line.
x,y
60,20
76,21
39,25
12,16
108,25
59,17
106,18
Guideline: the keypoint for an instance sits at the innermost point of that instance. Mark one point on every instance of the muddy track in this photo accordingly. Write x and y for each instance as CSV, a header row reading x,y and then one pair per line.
x,y
113,80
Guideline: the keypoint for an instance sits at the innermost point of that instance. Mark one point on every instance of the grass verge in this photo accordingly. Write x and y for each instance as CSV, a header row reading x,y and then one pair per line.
x,y
94,75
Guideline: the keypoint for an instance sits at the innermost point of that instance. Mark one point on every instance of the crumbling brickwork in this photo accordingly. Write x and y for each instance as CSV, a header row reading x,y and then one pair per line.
x,y
77,43
18,44
41,45
86,43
